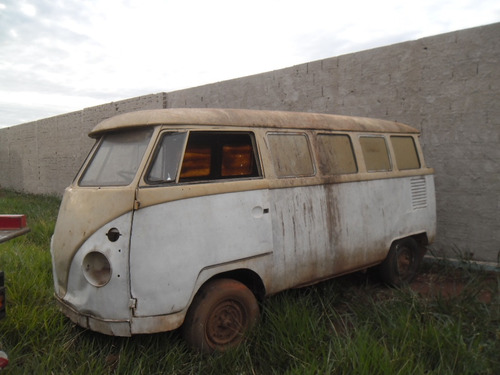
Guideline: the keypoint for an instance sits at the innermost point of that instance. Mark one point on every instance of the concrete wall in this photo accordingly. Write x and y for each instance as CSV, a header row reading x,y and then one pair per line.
x,y
448,86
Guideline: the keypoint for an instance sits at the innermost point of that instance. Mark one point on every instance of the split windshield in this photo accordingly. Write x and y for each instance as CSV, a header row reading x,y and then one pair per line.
x,y
117,159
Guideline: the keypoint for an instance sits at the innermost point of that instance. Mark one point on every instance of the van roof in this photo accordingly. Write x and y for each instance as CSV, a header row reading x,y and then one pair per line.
x,y
248,118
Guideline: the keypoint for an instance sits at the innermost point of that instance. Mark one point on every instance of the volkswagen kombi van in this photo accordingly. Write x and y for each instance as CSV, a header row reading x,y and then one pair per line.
x,y
189,217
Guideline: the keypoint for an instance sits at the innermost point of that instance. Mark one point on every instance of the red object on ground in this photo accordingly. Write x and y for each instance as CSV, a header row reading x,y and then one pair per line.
x,y
12,222
4,360
12,226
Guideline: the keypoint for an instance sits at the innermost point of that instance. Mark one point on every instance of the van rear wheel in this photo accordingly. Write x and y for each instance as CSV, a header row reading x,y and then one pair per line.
x,y
220,315
401,265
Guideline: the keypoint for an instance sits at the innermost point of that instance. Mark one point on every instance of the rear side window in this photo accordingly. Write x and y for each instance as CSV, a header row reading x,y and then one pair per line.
x,y
375,154
214,155
291,155
336,155
405,152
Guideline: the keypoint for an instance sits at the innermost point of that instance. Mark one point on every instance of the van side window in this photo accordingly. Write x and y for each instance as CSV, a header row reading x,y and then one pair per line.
x,y
336,155
405,152
291,155
217,155
167,158
375,153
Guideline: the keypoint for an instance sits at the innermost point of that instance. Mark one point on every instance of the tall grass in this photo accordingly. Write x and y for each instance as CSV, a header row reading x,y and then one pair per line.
x,y
349,325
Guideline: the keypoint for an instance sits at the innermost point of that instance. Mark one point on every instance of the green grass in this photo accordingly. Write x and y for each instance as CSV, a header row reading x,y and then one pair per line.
x,y
349,325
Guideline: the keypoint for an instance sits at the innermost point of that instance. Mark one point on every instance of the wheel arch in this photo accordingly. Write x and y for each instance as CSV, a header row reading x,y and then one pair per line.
x,y
421,239
402,262
245,276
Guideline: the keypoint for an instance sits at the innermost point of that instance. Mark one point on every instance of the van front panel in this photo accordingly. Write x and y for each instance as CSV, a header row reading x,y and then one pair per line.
x,y
84,211
102,293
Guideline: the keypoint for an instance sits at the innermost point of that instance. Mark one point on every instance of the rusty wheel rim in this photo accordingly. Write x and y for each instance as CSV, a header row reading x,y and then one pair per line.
x,y
225,324
404,262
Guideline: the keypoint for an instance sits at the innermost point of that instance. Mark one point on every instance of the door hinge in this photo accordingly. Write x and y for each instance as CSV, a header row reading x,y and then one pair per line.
x,y
137,204
132,303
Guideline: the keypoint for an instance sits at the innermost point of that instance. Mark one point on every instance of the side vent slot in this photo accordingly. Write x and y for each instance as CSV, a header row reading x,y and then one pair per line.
x,y
418,192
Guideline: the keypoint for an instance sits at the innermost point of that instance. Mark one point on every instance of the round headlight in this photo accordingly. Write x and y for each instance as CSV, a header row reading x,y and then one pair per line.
x,y
96,268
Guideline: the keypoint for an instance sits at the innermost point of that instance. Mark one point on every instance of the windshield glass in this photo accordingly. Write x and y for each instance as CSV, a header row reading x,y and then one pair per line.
x,y
117,158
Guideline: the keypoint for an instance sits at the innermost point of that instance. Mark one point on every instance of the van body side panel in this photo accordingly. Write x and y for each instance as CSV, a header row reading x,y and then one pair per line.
x,y
326,230
173,242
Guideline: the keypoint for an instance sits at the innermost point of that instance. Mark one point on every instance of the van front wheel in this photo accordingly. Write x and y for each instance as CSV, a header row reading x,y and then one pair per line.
x,y
401,265
219,316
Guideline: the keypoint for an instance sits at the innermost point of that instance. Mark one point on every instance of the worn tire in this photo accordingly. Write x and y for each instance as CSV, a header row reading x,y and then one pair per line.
x,y
220,315
401,264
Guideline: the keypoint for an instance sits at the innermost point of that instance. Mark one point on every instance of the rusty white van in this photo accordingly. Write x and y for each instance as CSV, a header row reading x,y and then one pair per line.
x,y
192,216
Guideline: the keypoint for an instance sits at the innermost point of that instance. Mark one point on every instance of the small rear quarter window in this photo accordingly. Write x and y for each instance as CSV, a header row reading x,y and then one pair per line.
x,y
405,152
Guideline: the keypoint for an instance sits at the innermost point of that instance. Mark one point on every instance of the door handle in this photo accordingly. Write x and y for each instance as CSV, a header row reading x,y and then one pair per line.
x,y
258,211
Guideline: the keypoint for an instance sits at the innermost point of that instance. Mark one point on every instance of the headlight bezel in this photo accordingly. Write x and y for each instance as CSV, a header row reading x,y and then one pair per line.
x,y
96,268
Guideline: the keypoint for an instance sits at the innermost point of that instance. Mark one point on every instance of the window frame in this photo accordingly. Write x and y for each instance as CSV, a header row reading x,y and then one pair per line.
x,y
156,151
388,152
273,154
320,154
394,149
218,136
148,134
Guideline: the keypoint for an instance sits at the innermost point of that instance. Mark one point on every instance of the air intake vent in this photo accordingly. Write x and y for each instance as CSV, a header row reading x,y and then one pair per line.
x,y
418,192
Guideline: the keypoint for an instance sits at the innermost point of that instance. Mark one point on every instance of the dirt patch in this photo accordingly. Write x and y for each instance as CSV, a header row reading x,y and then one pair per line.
x,y
454,284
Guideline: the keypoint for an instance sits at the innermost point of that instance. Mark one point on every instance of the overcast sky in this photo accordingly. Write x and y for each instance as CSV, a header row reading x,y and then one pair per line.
x,y
58,56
